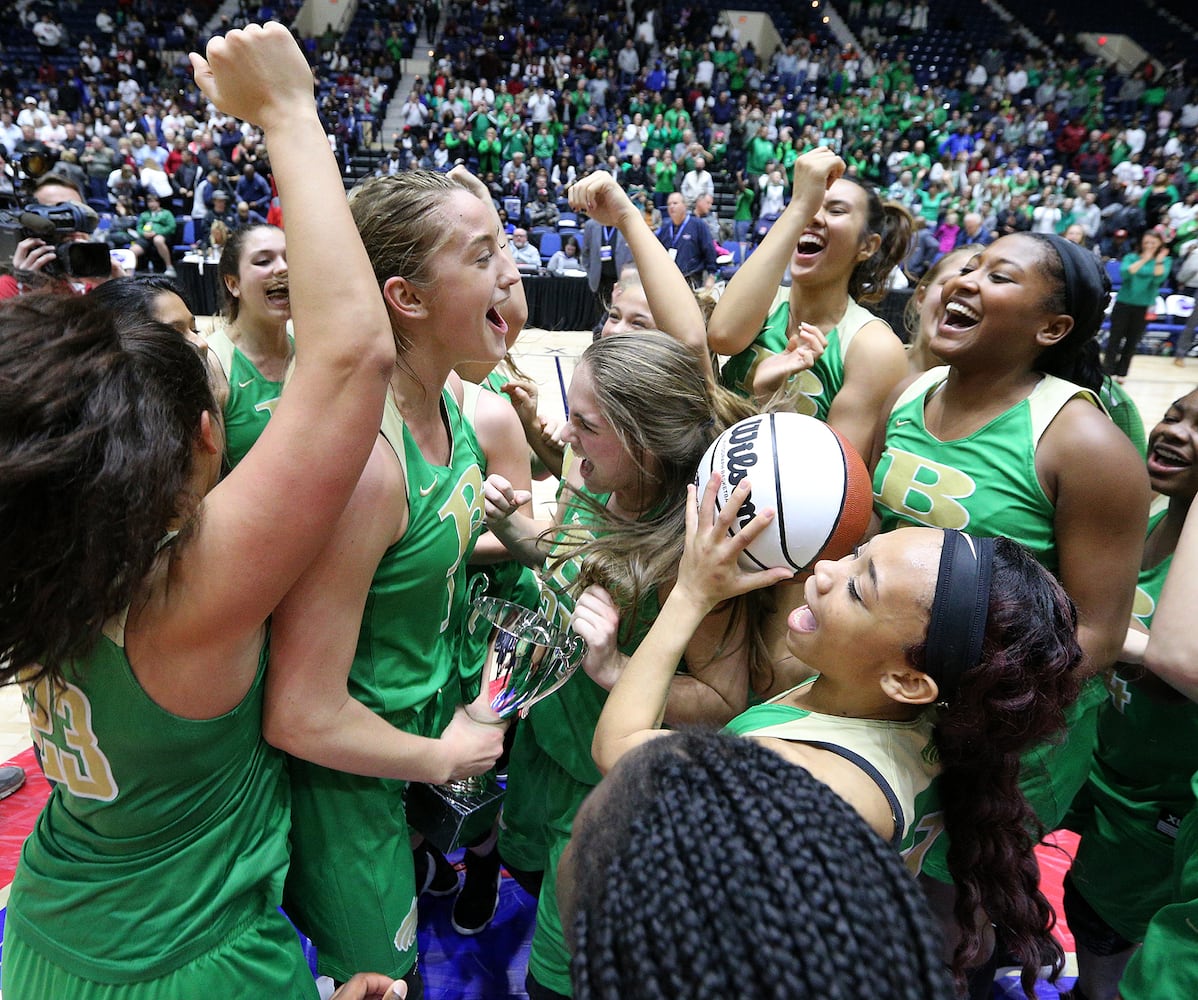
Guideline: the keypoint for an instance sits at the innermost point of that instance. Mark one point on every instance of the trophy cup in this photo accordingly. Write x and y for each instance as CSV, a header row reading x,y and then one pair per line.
x,y
527,659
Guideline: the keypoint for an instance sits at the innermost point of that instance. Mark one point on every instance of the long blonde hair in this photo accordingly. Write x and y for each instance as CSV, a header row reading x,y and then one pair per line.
x,y
402,226
665,408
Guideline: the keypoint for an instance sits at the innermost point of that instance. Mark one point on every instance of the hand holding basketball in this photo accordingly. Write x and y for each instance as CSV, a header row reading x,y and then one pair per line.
x,y
806,473
709,572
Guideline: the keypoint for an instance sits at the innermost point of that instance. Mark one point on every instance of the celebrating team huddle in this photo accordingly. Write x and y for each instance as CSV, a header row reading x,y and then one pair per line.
x,y
826,584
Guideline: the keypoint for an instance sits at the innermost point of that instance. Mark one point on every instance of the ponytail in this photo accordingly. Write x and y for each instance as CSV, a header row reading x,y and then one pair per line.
x,y
1014,699
892,222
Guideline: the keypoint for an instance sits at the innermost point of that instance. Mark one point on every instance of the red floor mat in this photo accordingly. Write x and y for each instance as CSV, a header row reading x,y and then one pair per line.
x,y
19,812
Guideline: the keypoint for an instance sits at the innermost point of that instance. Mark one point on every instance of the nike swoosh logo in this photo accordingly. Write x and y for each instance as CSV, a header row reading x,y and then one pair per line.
x,y
426,490
242,385
902,422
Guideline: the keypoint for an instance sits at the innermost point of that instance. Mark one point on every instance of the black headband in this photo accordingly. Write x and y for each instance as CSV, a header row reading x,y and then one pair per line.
x,y
1085,292
958,620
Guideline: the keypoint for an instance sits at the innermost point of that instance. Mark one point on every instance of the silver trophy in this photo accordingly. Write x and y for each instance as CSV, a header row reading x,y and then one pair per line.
x,y
527,659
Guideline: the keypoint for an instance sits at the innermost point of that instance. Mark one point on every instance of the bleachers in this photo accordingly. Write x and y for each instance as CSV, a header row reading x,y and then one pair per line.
x,y
1142,22
956,35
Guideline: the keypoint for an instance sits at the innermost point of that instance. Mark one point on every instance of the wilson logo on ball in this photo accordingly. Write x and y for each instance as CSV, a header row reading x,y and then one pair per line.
x,y
741,456
805,471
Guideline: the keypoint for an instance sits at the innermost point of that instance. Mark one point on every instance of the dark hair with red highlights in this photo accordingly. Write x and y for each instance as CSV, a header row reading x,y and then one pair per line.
x,y
1014,699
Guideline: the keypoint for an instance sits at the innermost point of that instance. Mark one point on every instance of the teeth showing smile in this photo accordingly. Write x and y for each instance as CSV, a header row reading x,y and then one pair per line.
x,y
810,243
1164,455
960,314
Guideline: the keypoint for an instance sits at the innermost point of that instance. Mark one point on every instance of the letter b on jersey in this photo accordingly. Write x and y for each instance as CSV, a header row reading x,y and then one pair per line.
x,y
925,491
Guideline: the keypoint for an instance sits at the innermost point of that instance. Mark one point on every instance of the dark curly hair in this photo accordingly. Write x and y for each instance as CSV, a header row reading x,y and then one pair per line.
x,y
890,221
98,421
720,869
1014,699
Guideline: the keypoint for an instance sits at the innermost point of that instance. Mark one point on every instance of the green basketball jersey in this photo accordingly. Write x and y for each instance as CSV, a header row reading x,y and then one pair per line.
x,y
508,580
563,726
252,397
1139,790
564,723
408,643
1167,964
901,757
814,389
1124,413
351,886
985,483
163,837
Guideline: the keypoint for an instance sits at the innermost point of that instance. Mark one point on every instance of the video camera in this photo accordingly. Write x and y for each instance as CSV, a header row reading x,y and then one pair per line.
x,y
57,224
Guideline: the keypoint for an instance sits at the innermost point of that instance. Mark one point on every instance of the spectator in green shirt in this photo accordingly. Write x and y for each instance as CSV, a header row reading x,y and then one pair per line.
x,y
544,144
665,171
154,226
759,152
490,152
1143,273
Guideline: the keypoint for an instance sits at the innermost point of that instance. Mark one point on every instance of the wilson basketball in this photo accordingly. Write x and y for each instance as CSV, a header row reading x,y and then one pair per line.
x,y
804,470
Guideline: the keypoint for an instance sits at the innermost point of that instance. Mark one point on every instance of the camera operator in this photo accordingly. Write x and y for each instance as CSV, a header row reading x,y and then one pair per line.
x,y
33,254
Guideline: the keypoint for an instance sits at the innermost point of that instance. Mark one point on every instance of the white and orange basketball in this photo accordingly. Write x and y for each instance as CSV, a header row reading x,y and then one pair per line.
x,y
804,470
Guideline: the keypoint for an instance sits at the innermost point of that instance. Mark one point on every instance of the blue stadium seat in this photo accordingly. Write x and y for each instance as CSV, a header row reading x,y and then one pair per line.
x,y
185,234
550,244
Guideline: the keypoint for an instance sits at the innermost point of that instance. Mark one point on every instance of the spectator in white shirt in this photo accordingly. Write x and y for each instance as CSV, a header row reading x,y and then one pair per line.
x,y
697,182
540,105
1045,217
482,95
1017,80
1135,138
32,115
523,253
636,134
47,33
414,114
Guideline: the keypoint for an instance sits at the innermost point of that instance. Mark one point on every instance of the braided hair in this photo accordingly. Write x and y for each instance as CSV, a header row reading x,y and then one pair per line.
x,y
712,846
1015,698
